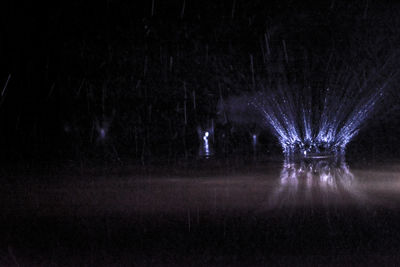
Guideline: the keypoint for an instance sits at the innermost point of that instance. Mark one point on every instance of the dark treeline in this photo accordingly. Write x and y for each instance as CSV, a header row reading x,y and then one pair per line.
x,y
119,79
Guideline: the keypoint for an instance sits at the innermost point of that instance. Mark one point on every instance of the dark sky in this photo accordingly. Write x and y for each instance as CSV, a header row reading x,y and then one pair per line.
x,y
150,73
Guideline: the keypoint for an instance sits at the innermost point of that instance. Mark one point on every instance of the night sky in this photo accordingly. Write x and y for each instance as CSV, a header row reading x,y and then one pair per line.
x,y
130,79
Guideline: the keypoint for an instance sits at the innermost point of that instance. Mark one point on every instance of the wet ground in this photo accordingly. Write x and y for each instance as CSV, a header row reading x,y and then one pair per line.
x,y
204,213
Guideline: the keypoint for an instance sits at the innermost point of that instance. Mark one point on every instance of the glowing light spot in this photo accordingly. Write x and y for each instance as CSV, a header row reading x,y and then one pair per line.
x,y
102,133
254,139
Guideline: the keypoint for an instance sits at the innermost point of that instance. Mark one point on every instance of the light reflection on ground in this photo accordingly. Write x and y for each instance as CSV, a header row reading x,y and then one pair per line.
x,y
317,182
203,215
268,187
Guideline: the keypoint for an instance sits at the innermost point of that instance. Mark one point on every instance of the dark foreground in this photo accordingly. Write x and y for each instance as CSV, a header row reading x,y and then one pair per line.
x,y
202,215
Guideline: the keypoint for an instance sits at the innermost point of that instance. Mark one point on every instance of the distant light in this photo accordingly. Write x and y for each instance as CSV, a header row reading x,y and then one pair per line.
x,y
206,145
102,133
254,141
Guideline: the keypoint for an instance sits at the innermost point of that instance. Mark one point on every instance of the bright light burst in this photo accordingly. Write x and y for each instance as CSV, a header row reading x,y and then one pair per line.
x,y
316,122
